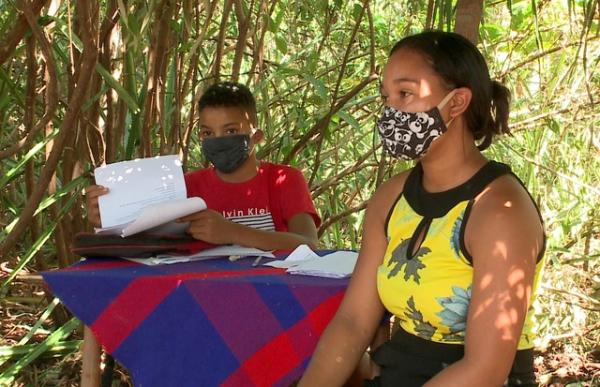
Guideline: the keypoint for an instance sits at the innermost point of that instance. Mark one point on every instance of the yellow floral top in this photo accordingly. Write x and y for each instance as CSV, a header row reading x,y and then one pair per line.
x,y
429,292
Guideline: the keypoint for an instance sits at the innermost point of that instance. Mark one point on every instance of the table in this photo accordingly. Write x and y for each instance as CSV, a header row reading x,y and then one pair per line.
x,y
204,323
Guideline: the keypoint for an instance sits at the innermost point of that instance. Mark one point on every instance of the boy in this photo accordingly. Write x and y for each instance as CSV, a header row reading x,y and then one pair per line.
x,y
250,203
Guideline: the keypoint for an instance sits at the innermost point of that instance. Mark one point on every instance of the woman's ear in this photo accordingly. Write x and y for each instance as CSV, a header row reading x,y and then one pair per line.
x,y
460,101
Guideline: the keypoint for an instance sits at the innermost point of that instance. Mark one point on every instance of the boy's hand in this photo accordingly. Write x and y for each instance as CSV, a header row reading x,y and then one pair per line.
x,y
91,201
210,226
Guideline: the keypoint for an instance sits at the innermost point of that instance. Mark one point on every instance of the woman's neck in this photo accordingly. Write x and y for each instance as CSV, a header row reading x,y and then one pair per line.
x,y
451,162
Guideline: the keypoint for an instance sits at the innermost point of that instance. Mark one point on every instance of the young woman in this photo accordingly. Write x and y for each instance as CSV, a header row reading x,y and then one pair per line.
x,y
451,247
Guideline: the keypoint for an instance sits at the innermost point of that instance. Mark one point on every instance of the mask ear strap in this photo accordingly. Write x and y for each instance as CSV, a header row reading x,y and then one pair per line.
x,y
446,99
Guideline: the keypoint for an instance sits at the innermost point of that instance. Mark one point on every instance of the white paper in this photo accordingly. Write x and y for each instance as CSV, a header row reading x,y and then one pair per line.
x,y
158,214
136,184
216,252
304,261
144,194
300,253
335,265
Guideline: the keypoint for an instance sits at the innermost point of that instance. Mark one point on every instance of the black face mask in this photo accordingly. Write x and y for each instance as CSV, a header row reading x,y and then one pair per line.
x,y
227,153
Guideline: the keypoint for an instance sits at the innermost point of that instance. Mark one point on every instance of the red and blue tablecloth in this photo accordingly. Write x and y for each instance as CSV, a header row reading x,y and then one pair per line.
x,y
204,323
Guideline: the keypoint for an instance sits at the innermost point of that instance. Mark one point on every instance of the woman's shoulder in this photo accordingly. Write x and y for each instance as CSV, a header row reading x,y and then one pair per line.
x,y
505,210
388,193
504,192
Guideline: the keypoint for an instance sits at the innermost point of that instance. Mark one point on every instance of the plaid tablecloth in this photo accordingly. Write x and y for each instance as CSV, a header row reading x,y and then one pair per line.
x,y
204,323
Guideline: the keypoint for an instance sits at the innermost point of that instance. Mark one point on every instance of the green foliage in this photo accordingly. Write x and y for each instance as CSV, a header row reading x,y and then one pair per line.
x,y
50,344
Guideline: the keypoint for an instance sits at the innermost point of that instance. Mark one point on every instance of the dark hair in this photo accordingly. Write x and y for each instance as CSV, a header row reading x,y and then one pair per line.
x,y
229,94
460,64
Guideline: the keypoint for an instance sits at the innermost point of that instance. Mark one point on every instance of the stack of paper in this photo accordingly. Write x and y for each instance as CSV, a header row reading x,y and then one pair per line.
x,y
158,218
335,265
304,261
231,251
143,194
301,254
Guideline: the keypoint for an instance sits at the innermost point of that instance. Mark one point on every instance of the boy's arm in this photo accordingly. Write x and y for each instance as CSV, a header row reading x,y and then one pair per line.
x,y
210,226
301,230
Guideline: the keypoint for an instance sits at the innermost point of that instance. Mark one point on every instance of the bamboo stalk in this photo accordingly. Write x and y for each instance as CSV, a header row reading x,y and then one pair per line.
x,y
51,92
86,67
243,27
348,50
221,41
157,56
468,18
258,47
28,120
106,35
14,37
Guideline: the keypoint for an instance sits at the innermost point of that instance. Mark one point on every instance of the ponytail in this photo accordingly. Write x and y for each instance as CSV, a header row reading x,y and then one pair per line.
x,y
497,122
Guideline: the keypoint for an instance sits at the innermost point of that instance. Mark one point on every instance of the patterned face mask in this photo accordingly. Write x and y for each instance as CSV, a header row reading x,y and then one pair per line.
x,y
409,135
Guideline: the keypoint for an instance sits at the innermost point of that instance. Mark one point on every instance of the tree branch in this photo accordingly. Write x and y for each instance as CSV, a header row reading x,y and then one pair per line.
x,y
157,66
14,37
332,219
243,26
221,40
324,121
87,65
468,18
348,49
538,55
51,90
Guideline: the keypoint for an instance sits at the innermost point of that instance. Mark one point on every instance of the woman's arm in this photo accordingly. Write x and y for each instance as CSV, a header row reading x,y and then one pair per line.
x,y
352,329
504,236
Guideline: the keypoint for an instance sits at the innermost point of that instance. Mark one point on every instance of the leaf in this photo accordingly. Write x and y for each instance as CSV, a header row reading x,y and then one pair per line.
x,y
320,88
14,89
13,350
18,168
39,242
462,293
68,189
281,44
125,96
460,309
62,348
350,120
494,31
276,22
7,377
356,11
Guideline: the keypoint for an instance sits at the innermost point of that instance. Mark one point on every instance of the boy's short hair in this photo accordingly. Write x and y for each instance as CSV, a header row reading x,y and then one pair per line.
x,y
229,94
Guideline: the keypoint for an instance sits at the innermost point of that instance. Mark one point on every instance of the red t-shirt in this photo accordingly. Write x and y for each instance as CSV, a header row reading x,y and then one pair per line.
x,y
266,202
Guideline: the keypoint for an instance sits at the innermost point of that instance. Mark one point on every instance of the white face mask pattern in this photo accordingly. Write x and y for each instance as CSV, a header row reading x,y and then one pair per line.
x,y
409,135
